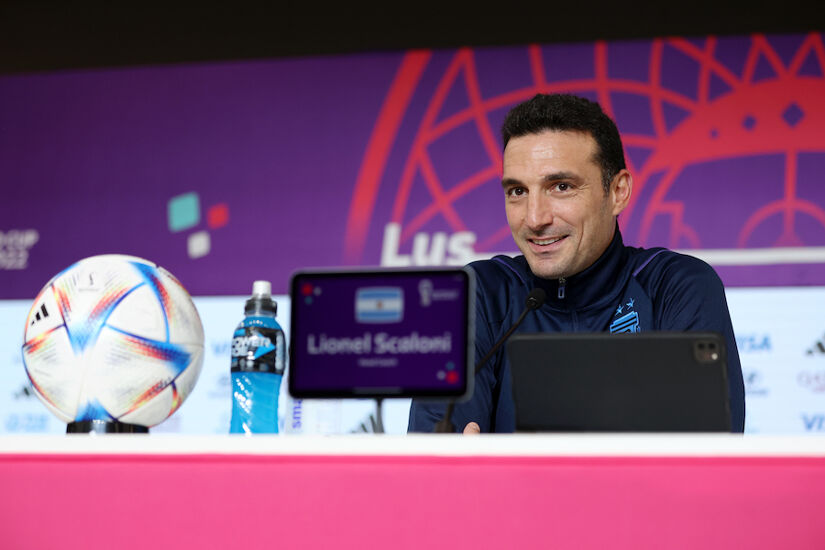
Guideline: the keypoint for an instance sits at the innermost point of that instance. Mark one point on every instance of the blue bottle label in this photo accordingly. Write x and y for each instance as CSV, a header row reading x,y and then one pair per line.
x,y
258,348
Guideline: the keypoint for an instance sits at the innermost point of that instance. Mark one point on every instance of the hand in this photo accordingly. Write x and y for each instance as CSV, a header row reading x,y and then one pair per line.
x,y
472,429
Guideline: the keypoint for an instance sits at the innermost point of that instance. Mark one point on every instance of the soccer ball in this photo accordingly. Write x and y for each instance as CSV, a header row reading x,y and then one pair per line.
x,y
113,338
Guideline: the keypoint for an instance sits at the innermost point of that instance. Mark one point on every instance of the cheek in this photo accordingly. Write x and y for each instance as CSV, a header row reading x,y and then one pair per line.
x,y
593,214
597,224
572,213
513,214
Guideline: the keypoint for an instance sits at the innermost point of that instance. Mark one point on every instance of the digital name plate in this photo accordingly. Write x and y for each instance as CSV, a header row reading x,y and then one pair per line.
x,y
381,333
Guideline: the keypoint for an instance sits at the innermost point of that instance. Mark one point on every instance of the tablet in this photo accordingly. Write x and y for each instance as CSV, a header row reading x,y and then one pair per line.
x,y
381,333
598,382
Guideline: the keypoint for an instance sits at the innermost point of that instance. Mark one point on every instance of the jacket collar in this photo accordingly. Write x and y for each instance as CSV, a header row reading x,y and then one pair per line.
x,y
601,282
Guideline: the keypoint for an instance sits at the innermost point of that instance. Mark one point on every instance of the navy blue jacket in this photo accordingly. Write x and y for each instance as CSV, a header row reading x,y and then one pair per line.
x,y
647,289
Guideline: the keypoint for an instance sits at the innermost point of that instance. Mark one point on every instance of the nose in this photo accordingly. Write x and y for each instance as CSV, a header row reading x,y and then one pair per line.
x,y
539,212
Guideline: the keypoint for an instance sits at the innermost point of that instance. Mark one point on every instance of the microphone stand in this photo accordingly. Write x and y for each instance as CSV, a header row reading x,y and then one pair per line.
x,y
535,299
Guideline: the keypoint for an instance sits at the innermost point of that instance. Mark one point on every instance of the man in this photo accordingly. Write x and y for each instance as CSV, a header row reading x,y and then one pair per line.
x,y
565,182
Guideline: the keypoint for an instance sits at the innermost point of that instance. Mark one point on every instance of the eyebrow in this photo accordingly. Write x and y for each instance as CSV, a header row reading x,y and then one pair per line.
x,y
555,176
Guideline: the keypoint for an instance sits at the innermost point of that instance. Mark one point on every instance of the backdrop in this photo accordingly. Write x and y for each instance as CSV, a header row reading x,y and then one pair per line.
x,y
227,173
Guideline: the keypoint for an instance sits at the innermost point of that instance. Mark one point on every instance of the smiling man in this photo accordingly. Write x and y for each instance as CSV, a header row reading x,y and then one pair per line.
x,y
564,182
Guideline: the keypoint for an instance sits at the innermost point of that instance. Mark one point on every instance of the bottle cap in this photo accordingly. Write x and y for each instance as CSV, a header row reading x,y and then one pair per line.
x,y
262,289
261,302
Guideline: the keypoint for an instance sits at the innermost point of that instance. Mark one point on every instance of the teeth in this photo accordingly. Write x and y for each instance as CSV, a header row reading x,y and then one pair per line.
x,y
546,241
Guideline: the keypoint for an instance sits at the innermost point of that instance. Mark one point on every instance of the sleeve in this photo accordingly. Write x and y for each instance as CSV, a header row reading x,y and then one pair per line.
x,y
424,415
694,299
479,408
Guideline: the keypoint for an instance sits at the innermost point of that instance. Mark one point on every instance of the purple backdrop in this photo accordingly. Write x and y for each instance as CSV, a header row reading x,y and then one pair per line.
x,y
395,158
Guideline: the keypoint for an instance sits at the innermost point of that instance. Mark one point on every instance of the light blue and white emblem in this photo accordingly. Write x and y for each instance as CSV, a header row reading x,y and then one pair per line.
x,y
626,323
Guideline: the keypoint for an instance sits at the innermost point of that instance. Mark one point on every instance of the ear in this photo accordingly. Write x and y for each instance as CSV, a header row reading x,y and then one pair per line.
x,y
620,190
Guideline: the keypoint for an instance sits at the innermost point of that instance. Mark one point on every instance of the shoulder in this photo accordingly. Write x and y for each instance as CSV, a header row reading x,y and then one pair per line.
x,y
501,270
660,269
500,282
651,262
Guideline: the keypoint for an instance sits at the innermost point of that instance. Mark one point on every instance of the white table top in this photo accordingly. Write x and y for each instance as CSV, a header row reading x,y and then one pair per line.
x,y
710,445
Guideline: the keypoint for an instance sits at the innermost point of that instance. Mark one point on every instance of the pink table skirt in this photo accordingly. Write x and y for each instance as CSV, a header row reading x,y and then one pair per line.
x,y
152,500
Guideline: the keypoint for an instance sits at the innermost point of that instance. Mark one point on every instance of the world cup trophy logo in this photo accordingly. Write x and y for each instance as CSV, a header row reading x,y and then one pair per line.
x,y
723,135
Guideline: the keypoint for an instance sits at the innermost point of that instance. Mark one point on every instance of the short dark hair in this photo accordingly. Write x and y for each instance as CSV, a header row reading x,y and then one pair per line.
x,y
562,112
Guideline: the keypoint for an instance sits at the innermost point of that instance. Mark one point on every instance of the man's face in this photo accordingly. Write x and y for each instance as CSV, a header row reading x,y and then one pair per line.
x,y
561,218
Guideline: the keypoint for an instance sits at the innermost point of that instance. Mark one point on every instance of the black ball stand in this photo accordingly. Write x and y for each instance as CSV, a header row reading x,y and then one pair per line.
x,y
104,427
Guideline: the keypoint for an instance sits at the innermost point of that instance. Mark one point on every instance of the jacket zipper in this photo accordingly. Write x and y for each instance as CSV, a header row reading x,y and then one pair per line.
x,y
562,286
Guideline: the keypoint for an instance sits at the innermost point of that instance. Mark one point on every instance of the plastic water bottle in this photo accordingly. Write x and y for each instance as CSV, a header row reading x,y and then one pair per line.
x,y
258,363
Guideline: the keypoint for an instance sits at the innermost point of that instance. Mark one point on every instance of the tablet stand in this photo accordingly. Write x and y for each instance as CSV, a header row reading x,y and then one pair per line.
x,y
376,420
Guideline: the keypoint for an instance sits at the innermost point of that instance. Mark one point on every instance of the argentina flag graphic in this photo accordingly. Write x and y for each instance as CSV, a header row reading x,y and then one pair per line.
x,y
383,304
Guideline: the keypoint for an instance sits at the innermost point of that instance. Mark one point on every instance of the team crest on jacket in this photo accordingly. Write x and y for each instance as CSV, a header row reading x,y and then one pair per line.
x,y
626,319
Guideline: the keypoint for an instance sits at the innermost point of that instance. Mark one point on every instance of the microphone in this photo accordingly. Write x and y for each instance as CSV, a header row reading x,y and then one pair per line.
x,y
535,299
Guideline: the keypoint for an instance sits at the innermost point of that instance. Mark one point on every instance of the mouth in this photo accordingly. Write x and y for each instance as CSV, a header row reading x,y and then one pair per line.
x,y
546,242
546,245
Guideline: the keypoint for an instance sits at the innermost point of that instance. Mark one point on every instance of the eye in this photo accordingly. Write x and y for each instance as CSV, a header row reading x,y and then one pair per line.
x,y
516,191
563,186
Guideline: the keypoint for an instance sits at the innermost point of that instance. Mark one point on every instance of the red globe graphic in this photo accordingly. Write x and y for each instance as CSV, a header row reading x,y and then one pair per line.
x,y
724,138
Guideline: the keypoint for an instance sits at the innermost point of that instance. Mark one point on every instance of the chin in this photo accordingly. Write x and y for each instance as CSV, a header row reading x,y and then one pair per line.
x,y
544,271
546,266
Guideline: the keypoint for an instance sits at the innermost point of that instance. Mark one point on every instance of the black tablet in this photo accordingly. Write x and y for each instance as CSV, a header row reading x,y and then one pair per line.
x,y
381,333
597,382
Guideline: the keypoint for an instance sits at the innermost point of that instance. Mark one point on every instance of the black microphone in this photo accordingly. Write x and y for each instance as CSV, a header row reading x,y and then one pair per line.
x,y
535,299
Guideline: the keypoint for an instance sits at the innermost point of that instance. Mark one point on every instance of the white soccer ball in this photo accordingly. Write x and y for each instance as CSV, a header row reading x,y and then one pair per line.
x,y
113,338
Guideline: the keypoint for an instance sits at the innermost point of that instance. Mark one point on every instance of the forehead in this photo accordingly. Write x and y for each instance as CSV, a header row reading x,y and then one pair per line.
x,y
551,150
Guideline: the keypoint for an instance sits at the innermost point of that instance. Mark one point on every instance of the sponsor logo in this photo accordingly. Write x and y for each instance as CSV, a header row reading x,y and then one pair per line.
x,y
221,348
817,349
15,245
812,380
814,422
754,343
25,392
40,315
379,304
27,423
255,344
754,385
297,415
